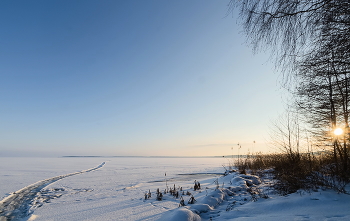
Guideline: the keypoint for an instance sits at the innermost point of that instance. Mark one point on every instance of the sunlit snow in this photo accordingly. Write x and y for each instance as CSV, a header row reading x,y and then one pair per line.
x,y
97,188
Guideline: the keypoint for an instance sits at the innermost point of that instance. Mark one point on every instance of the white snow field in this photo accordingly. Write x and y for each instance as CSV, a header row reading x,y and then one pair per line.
x,y
15,205
114,189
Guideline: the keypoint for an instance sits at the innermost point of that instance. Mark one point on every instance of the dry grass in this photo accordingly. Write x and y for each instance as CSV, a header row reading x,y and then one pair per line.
x,y
294,171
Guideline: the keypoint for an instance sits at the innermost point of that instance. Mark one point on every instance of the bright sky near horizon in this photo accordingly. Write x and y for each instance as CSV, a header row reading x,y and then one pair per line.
x,y
131,77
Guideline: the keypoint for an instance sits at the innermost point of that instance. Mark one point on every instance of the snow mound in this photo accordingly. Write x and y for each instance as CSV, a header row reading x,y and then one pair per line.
x,y
200,208
240,189
215,198
242,182
181,214
251,179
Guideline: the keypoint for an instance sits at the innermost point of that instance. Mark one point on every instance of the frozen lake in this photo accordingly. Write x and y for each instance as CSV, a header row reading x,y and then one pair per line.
x,y
113,192
97,188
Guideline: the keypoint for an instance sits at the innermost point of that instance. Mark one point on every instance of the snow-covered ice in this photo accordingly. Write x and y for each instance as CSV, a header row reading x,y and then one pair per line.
x,y
15,205
65,189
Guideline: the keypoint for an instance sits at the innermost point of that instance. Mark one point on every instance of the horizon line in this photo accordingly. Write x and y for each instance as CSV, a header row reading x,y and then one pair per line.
x,y
223,156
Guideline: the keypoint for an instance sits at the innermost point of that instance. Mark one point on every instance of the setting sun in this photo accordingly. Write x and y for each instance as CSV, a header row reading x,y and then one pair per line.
x,y
338,131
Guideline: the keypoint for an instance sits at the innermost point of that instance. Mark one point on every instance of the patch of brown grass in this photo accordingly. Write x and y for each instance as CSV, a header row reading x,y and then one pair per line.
x,y
294,171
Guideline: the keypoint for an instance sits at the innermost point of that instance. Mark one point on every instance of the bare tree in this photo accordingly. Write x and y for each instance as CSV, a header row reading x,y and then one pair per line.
x,y
311,42
289,27
322,94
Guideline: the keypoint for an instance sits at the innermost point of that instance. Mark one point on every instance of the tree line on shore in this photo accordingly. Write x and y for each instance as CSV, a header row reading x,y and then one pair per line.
x,y
310,42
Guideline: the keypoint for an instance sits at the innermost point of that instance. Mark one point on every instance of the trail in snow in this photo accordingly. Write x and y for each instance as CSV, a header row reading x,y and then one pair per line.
x,y
16,205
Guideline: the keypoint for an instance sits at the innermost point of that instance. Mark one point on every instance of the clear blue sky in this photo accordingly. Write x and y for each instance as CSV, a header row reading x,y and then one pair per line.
x,y
130,78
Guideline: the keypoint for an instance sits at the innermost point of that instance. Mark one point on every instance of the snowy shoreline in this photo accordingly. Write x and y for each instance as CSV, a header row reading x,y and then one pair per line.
x,y
116,192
